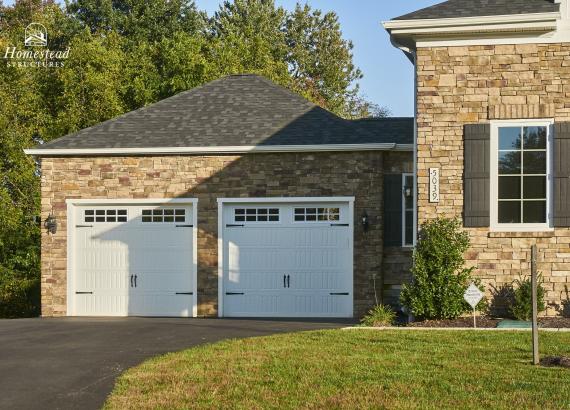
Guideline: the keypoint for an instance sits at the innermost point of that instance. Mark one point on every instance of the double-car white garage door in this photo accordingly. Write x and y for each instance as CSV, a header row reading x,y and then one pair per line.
x,y
278,258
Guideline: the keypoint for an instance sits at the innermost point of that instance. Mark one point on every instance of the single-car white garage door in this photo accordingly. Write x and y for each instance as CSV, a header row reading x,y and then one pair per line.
x,y
288,258
132,260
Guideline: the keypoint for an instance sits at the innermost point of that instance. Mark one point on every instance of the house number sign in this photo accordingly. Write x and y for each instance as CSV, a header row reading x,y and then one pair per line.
x,y
434,185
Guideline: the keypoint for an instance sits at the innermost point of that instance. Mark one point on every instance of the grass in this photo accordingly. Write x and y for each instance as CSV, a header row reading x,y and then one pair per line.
x,y
353,369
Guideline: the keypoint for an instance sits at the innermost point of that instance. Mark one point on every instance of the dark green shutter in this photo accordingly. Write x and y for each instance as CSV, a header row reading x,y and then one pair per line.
x,y
393,197
561,157
477,175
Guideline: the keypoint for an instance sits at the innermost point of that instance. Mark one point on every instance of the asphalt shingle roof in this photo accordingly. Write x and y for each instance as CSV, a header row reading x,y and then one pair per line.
x,y
479,8
237,110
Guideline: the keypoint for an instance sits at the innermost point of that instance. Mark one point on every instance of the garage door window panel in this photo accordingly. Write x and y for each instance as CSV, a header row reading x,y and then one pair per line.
x,y
163,215
256,215
311,214
105,215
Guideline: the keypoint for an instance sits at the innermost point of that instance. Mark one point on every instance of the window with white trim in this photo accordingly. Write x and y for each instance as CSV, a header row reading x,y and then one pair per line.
x,y
520,174
105,215
316,214
164,215
256,215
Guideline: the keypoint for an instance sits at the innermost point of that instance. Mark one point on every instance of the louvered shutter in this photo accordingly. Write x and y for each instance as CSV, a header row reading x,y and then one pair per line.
x,y
561,156
393,197
477,175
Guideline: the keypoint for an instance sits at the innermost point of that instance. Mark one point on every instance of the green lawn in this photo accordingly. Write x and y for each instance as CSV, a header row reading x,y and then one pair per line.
x,y
354,369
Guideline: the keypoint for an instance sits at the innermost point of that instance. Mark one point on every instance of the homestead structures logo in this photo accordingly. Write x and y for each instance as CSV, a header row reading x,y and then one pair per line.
x,y
36,52
36,35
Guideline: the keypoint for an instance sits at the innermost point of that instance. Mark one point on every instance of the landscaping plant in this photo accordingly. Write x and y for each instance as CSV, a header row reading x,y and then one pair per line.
x,y
378,316
439,275
521,307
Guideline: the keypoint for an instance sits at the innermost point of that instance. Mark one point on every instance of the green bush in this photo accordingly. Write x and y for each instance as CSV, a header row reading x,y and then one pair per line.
x,y
378,316
439,276
521,308
19,298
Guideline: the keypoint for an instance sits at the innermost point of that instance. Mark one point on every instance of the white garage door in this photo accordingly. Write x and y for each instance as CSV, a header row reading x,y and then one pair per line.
x,y
133,260
287,259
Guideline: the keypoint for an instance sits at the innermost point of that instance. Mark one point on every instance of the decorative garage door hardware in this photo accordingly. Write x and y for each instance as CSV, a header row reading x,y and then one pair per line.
x,y
185,226
235,293
286,281
83,293
340,225
84,226
234,226
135,281
340,293
184,293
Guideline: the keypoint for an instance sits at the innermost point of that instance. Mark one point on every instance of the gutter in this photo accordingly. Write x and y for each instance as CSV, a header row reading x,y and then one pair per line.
x,y
46,152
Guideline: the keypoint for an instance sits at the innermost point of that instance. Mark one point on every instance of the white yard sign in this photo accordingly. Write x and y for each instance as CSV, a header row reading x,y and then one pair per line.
x,y
434,185
473,295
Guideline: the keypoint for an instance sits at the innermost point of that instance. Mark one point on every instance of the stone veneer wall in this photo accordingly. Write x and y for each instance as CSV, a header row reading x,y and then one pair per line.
x,y
207,178
476,84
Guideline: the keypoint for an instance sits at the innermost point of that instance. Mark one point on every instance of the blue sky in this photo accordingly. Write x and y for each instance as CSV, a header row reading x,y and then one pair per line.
x,y
388,74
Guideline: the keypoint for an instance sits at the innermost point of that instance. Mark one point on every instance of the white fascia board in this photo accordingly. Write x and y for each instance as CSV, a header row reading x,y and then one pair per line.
x,y
131,201
323,199
218,150
470,21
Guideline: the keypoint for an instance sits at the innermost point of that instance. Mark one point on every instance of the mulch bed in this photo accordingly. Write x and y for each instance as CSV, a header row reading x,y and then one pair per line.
x,y
558,361
488,322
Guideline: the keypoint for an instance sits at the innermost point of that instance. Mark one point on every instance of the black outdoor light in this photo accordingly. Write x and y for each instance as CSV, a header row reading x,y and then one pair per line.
x,y
364,221
51,224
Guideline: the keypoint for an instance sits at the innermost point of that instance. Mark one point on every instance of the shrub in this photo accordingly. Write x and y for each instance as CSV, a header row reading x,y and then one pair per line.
x,y
521,308
378,316
439,275
19,297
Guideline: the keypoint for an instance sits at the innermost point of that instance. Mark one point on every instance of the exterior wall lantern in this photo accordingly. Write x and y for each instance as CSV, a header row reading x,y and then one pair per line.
x,y
408,192
364,221
51,224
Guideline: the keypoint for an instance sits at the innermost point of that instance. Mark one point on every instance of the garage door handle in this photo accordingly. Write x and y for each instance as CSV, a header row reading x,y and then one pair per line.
x,y
184,293
284,281
185,226
235,293
234,226
132,280
288,281
340,224
83,293
135,281
339,293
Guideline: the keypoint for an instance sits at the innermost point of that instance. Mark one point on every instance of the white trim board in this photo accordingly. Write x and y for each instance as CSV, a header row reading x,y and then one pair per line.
x,y
71,203
218,150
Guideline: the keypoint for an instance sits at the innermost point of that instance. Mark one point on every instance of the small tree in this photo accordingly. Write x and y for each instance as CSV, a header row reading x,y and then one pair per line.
x,y
439,275
521,307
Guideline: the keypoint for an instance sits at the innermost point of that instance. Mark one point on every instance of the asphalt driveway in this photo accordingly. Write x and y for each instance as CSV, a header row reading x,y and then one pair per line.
x,y
72,363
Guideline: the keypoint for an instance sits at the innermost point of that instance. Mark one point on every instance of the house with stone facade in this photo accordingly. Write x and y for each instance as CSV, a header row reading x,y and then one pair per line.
x,y
240,198
493,129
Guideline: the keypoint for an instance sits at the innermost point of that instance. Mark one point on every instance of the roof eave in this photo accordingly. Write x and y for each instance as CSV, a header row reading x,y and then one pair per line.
x,y
57,152
408,32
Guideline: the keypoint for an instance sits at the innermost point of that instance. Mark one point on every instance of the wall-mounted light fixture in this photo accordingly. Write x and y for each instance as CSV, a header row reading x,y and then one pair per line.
x,y
408,191
364,221
51,224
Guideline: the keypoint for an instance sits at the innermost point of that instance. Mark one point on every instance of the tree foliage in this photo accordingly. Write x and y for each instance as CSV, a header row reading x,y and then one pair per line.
x,y
126,54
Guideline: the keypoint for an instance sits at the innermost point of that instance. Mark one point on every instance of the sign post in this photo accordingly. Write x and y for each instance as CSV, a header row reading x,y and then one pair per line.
x,y
533,280
473,296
